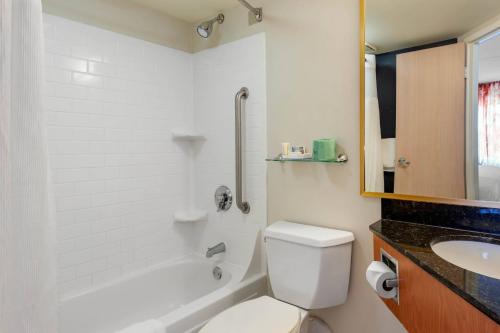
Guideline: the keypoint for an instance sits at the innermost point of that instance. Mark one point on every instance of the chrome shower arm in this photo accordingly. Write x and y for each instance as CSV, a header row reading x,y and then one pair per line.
x,y
255,11
242,205
219,19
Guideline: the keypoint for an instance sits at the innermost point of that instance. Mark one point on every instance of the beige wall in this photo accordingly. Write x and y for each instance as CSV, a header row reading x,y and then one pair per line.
x,y
127,18
312,87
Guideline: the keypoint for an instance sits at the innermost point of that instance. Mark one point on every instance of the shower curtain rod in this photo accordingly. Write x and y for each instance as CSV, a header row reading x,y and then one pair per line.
x,y
256,11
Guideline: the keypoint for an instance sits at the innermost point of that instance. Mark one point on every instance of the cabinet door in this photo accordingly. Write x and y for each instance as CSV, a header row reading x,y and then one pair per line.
x,y
428,306
430,122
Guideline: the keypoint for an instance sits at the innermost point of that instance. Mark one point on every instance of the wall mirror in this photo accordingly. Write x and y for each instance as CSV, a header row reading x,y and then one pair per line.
x,y
430,100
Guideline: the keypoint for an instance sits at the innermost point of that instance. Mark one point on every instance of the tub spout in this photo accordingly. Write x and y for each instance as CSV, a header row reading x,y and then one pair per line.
x,y
219,248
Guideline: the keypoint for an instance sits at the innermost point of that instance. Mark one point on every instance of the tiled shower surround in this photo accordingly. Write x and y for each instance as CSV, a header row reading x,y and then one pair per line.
x,y
112,103
219,74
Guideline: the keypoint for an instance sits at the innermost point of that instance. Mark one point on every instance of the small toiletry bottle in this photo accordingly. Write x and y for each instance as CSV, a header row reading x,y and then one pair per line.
x,y
299,150
285,148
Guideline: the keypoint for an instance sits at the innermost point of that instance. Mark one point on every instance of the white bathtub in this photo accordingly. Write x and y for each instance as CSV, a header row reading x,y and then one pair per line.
x,y
183,295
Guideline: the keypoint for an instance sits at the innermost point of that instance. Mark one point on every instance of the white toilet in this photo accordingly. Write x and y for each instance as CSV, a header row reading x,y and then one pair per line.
x,y
309,269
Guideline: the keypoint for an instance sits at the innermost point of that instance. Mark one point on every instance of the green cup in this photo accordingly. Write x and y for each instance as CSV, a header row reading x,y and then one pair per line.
x,y
324,150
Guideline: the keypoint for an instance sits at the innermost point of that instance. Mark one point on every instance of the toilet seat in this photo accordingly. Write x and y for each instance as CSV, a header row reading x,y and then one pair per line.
x,y
263,315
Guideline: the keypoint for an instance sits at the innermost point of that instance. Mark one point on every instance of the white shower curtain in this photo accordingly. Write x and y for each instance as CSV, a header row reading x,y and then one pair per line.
x,y
374,167
28,297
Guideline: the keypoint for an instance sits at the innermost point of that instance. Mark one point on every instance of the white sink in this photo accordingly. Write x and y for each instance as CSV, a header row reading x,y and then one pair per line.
x,y
476,256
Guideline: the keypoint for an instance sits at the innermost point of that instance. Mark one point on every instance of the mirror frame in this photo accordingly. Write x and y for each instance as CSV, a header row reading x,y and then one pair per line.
x,y
470,42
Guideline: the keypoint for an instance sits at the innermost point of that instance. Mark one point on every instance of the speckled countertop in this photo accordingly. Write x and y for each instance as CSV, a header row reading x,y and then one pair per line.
x,y
414,241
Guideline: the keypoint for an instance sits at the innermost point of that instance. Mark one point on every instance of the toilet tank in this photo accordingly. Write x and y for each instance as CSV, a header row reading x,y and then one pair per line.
x,y
308,266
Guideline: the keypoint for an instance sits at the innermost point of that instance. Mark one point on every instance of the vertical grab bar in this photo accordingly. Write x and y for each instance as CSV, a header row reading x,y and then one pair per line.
x,y
242,205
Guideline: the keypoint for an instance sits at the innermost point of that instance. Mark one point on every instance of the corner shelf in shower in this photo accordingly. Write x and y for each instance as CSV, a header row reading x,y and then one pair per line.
x,y
190,216
187,136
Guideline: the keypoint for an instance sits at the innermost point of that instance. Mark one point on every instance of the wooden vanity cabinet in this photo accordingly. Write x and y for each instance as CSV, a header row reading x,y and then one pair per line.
x,y
428,306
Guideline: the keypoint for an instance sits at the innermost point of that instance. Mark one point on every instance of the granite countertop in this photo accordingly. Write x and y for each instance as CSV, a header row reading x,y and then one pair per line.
x,y
414,241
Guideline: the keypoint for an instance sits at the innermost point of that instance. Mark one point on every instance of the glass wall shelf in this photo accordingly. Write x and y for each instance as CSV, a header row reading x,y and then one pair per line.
x,y
342,159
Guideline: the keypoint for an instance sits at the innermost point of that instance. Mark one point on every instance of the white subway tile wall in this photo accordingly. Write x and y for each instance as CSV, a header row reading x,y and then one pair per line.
x,y
219,74
112,102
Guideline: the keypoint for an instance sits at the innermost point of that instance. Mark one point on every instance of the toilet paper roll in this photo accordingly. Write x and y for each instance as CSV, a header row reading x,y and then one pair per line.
x,y
376,274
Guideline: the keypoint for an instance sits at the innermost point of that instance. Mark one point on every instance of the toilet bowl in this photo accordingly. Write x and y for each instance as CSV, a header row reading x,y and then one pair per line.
x,y
309,268
265,315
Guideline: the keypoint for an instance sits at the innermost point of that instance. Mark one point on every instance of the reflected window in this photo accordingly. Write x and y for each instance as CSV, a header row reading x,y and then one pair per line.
x,y
489,124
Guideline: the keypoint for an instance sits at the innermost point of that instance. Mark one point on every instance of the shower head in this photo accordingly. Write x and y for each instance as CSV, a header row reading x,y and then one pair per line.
x,y
204,29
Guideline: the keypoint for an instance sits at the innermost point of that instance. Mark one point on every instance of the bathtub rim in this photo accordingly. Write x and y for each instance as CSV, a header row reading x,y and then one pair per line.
x,y
237,273
215,302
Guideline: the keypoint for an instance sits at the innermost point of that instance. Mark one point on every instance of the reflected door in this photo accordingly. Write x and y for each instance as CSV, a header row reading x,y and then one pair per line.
x,y
430,122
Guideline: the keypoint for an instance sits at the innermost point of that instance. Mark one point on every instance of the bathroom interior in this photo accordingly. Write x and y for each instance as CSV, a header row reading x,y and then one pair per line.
x,y
271,166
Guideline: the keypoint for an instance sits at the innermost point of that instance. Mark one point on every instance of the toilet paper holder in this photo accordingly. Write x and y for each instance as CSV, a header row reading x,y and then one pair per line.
x,y
392,263
391,283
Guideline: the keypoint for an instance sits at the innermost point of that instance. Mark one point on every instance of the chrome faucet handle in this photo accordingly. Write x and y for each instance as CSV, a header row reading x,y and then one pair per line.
x,y
223,198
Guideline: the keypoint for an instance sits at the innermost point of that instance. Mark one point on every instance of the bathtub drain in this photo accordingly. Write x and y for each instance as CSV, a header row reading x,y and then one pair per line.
x,y
217,273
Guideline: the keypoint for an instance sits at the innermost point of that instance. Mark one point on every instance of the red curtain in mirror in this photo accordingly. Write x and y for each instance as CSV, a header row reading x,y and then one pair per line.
x,y
489,124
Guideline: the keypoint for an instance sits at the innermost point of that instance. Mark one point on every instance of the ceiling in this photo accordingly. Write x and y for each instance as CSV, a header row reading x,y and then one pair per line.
x,y
188,10
397,24
489,60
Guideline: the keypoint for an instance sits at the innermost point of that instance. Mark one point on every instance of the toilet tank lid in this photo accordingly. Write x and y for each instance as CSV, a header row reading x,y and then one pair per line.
x,y
307,234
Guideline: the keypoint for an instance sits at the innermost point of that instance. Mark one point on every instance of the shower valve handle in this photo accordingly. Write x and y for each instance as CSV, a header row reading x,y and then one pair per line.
x,y
223,198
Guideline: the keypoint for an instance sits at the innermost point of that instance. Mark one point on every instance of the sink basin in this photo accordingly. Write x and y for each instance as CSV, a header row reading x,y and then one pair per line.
x,y
473,255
